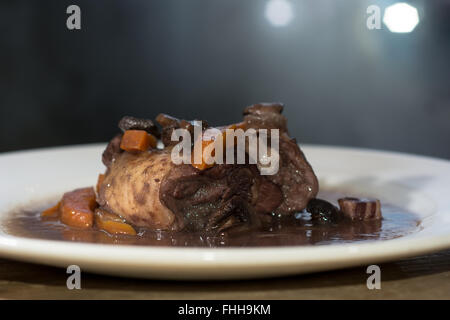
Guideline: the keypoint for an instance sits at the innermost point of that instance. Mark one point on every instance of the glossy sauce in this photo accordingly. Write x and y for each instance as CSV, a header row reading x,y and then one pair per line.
x,y
288,231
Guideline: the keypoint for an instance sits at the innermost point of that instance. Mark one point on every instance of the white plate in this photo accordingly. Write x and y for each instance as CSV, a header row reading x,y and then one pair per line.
x,y
419,184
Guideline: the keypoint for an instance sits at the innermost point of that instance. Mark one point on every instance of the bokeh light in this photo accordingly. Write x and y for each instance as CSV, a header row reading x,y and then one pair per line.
x,y
401,18
279,12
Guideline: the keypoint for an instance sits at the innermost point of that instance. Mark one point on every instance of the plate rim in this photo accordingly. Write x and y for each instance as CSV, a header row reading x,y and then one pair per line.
x,y
26,249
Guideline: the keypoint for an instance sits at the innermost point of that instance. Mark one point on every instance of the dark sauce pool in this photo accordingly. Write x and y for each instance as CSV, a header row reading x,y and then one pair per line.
x,y
291,231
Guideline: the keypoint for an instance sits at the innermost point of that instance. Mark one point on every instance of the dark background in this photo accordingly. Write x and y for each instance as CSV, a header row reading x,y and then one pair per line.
x,y
342,83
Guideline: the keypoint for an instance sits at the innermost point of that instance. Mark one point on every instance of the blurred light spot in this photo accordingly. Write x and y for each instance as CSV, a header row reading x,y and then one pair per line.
x,y
401,17
279,12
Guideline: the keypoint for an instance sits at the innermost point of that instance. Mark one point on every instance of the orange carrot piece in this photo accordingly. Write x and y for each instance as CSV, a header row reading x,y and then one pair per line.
x,y
205,143
52,212
234,126
114,227
205,155
112,223
77,208
137,141
100,179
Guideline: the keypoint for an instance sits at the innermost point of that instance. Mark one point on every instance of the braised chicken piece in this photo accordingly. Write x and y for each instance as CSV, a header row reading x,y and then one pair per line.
x,y
147,189
131,189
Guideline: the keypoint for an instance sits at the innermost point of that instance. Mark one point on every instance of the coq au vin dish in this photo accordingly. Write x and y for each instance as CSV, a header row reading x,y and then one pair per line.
x,y
145,198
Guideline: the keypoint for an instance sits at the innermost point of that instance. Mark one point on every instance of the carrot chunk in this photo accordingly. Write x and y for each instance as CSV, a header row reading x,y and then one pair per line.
x,y
234,126
137,141
205,155
112,223
52,212
77,208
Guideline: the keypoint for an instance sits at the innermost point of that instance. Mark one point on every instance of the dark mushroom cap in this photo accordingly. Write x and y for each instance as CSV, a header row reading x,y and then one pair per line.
x,y
132,123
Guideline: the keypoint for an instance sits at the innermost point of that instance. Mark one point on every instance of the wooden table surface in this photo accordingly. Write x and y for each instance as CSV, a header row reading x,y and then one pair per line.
x,y
424,277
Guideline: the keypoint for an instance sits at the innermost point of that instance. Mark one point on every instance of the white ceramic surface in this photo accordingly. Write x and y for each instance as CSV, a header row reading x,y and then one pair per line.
x,y
419,184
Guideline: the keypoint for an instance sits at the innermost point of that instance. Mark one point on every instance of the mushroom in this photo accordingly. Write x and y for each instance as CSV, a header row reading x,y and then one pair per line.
x,y
132,123
360,209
